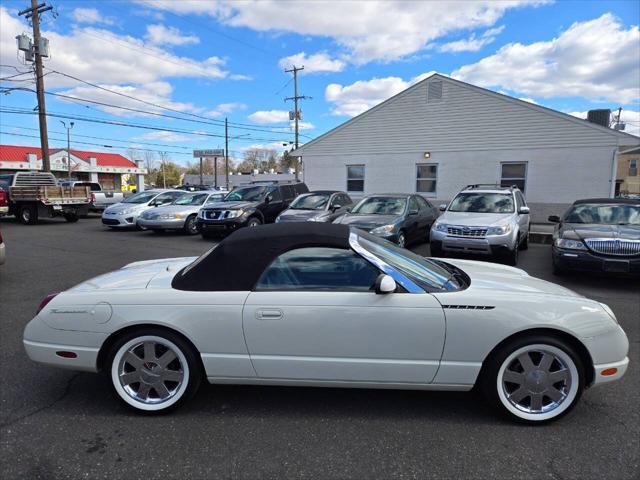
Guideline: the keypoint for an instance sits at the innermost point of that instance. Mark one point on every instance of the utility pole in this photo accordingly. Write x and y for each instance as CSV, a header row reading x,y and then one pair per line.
x,y
226,151
68,146
34,13
296,112
619,115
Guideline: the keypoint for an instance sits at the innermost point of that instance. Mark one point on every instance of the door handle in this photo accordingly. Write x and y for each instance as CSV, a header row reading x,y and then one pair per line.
x,y
269,314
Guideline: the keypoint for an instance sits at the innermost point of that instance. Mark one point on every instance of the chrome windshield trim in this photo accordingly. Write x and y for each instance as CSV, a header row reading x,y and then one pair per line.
x,y
407,284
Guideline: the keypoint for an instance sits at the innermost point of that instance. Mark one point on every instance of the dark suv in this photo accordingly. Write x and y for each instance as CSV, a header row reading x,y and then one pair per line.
x,y
247,206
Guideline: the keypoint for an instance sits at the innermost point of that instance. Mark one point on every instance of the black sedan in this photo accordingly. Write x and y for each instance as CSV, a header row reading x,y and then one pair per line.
x,y
399,218
601,235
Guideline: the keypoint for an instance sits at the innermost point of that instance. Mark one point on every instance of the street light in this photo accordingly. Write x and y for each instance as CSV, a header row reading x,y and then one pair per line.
x,y
68,146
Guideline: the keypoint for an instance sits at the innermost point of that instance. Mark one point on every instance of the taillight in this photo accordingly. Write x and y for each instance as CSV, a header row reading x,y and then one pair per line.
x,y
93,197
45,301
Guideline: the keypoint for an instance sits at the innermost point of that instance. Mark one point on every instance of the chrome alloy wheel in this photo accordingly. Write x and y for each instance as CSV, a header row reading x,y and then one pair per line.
x,y
150,372
538,382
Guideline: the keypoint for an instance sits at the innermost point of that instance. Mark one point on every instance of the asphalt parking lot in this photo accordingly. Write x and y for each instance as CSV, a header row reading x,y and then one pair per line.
x,y
61,424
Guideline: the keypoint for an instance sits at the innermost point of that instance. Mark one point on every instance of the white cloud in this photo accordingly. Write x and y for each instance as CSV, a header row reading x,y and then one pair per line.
x,y
225,108
352,100
159,34
101,56
473,43
316,63
153,92
90,15
630,117
372,30
263,117
277,146
164,136
597,59
525,99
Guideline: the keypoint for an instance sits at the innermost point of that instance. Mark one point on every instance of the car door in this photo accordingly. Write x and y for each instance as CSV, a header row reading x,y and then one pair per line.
x,y
428,213
273,206
414,219
314,316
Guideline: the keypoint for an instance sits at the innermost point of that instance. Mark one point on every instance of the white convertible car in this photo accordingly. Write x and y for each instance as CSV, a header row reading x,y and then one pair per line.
x,y
321,305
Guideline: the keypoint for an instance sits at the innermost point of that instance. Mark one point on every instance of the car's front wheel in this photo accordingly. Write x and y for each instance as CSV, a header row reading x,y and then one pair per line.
x,y
535,379
191,225
154,370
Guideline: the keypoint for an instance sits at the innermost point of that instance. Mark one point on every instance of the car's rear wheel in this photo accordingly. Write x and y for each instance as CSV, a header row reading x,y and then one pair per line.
x,y
153,370
534,380
28,215
71,217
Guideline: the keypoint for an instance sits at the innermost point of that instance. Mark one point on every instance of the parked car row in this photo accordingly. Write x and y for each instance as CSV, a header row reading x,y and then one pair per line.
x,y
486,220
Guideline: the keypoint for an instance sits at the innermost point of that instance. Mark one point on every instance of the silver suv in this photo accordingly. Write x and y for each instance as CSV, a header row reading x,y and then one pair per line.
x,y
483,219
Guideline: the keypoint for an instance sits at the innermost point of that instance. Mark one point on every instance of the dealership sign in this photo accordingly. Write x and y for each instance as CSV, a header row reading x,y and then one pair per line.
x,y
215,152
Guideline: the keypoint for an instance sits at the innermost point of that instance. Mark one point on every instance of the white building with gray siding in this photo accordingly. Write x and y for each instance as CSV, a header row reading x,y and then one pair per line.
x,y
441,134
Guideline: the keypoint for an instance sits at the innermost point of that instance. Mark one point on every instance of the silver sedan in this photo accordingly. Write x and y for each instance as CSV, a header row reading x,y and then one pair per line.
x,y
179,215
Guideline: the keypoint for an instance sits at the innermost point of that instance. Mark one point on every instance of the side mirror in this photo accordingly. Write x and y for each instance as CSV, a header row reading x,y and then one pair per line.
x,y
268,199
335,207
385,284
524,210
442,207
554,219
413,212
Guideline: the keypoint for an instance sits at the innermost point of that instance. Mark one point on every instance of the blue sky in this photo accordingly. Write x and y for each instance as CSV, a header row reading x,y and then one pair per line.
x,y
205,60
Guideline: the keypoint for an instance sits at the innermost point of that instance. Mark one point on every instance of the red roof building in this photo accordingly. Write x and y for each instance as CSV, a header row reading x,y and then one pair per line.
x,y
105,168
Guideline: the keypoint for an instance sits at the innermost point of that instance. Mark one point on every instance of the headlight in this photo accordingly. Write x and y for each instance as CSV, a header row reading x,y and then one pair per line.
x,y
501,230
170,216
384,230
234,213
127,211
319,218
570,244
441,227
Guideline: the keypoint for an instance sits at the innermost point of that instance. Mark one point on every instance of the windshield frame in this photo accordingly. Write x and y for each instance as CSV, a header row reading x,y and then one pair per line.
x,y
456,279
599,205
509,195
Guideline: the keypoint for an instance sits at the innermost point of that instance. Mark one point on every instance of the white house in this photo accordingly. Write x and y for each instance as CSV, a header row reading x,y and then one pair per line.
x,y
441,134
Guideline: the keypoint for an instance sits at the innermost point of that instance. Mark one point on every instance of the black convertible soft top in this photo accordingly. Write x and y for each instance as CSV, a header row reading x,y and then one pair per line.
x,y
237,262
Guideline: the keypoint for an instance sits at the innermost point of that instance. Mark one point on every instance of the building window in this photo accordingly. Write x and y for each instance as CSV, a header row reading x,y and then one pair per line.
x,y
355,178
514,174
633,168
426,178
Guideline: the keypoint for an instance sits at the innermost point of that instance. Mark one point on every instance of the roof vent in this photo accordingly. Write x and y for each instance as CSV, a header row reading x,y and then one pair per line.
x,y
434,91
599,117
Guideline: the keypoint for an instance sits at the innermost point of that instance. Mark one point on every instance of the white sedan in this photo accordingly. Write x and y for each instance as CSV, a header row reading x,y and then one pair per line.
x,y
322,305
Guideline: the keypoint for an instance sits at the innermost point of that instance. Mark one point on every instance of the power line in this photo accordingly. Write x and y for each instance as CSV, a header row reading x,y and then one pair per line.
x,y
86,118
94,144
104,138
241,126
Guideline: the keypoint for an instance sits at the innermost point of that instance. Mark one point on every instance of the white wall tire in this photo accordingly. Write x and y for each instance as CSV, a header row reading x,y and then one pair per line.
x,y
534,380
154,371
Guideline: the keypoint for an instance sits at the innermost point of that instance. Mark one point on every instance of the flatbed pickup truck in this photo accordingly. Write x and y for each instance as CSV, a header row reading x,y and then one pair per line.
x,y
100,199
34,195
